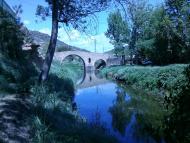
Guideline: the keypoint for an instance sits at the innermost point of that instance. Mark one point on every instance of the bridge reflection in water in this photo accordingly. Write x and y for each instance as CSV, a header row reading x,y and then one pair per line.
x,y
90,79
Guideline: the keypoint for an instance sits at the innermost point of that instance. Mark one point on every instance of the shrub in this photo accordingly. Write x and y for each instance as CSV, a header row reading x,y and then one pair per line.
x,y
158,80
177,127
14,67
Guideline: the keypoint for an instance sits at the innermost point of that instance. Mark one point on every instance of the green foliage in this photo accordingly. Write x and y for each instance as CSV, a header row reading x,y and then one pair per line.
x,y
43,97
68,70
42,135
16,72
168,31
177,127
47,99
178,13
118,32
158,80
11,37
154,42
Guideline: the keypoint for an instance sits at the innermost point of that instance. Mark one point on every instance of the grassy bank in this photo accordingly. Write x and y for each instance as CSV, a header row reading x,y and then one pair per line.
x,y
157,80
56,119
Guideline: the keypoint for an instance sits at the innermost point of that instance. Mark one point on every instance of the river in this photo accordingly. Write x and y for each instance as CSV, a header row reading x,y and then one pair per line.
x,y
130,116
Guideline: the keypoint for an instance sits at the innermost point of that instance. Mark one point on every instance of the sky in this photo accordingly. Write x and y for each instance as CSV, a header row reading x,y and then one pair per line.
x,y
75,38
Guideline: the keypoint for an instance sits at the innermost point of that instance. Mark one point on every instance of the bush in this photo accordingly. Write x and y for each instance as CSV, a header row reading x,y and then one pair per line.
x,y
11,37
178,122
16,71
158,80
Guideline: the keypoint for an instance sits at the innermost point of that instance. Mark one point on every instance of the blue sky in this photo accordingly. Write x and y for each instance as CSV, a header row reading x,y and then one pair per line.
x,y
75,37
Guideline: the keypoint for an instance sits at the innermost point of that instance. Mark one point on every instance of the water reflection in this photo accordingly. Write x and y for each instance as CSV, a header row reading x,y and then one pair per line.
x,y
139,119
132,119
90,79
119,111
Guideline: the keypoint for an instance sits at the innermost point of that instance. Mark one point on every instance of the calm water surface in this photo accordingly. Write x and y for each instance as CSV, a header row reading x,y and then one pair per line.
x,y
127,116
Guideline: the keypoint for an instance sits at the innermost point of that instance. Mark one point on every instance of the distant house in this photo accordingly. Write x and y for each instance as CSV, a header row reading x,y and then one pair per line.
x,y
5,7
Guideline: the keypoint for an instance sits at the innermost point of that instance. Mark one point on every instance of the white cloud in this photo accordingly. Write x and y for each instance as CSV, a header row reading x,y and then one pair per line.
x,y
75,38
45,30
26,22
74,35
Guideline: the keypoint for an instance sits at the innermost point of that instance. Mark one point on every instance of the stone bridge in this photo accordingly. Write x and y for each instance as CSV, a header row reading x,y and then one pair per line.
x,y
88,58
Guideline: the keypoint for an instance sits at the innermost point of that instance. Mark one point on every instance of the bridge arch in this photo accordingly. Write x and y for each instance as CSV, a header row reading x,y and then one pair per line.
x,y
99,63
83,63
76,56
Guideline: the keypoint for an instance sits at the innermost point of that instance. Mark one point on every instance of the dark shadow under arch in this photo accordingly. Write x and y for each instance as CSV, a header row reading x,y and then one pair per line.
x,y
99,64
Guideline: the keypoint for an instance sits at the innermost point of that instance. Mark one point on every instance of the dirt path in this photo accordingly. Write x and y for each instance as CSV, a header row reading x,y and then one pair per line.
x,y
14,124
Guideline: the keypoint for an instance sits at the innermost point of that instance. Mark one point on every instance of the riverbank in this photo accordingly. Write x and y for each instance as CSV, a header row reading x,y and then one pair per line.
x,y
171,82
155,80
57,119
53,116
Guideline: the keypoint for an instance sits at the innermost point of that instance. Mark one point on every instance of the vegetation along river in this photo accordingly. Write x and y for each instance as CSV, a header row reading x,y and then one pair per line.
x,y
131,116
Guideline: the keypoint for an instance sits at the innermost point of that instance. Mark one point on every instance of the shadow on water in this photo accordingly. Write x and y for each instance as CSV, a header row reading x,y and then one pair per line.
x,y
133,117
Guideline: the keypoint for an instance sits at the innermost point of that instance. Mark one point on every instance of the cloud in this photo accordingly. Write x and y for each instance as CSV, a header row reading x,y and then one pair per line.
x,y
45,31
103,43
26,22
75,38
74,34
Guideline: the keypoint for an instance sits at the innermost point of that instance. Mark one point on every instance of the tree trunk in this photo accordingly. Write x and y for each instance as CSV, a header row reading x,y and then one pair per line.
x,y
51,48
123,59
132,44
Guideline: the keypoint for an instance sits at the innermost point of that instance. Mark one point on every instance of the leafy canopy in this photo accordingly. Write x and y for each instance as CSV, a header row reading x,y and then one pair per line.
x,y
118,32
73,12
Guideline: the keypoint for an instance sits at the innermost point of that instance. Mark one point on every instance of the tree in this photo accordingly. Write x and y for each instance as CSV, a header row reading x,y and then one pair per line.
x,y
118,32
154,41
69,12
137,13
11,37
165,39
178,12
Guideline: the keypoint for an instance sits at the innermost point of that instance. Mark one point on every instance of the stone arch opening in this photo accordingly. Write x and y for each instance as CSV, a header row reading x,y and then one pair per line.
x,y
99,64
78,63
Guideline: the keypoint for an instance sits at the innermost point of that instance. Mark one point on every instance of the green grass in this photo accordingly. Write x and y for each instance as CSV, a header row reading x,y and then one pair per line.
x,y
72,70
54,119
157,80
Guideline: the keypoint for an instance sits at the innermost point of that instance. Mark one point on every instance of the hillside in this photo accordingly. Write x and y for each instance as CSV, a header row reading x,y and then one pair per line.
x,y
43,40
109,52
